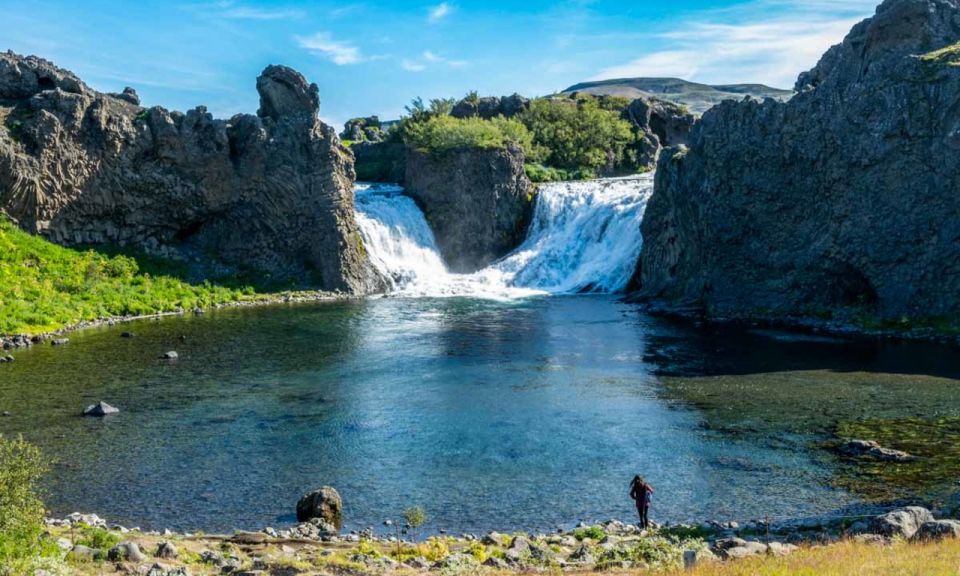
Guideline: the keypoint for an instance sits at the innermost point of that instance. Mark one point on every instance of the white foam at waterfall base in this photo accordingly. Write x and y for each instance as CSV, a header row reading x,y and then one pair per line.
x,y
584,237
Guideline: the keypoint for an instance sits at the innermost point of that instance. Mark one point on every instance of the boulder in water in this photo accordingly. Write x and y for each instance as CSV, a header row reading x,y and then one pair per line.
x,y
323,503
100,409
169,355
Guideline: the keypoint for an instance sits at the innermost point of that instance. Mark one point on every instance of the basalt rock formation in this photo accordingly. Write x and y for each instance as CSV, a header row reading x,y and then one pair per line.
x,y
488,107
269,194
843,201
662,123
478,202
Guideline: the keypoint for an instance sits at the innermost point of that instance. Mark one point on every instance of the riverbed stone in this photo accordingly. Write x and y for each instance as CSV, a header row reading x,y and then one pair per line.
x,y
100,409
323,503
60,342
167,551
938,530
126,551
171,355
873,450
902,523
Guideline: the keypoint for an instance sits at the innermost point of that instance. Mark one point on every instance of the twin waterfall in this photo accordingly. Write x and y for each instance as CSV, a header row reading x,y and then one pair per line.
x,y
584,237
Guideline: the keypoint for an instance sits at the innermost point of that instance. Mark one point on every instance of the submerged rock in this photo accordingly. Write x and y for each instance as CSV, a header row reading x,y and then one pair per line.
x,y
169,355
324,504
100,409
872,449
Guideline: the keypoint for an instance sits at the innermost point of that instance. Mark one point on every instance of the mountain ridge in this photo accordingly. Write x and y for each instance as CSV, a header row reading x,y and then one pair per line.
x,y
696,96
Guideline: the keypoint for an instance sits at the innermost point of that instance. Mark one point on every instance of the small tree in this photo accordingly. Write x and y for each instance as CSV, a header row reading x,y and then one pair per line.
x,y
416,517
21,510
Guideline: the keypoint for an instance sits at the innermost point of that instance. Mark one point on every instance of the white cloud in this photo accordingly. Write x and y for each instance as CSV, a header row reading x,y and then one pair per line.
x,y
428,58
230,9
412,65
322,44
752,48
439,12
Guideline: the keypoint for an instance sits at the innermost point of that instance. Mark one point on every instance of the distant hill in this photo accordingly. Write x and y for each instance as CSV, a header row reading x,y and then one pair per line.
x,y
697,97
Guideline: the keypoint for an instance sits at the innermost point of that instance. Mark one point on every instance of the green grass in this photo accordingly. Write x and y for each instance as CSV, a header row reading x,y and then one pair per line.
x,y
44,287
949,55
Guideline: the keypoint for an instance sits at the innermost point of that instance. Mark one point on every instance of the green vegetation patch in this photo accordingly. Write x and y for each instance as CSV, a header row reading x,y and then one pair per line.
x,y
443,134
949,55
44,286
935,442
656,552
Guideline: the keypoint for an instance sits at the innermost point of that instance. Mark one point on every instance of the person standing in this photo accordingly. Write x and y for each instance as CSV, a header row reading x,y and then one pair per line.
x,y
641,492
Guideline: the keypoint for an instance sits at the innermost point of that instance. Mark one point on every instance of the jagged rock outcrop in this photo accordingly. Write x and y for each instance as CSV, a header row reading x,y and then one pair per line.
x,y
662,123
478,202
269,194
488,107
841,201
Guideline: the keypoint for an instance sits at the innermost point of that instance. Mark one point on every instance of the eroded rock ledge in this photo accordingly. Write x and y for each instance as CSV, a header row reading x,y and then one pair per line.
x,y
269,194
841,201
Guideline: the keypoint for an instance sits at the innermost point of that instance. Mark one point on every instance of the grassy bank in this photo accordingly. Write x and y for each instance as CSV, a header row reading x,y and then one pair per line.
x,y
44,287
846,558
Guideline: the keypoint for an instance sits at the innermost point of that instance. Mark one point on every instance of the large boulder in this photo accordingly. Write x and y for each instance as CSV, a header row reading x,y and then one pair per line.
x,y
938,530
903,523
840,202
270,194
478,202
323,503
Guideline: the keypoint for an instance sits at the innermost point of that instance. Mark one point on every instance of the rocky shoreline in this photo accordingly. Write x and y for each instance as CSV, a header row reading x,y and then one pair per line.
x,y
14,341
316,546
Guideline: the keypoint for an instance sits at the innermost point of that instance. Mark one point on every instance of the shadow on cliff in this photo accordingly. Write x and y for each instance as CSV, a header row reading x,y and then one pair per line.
x,y
681,348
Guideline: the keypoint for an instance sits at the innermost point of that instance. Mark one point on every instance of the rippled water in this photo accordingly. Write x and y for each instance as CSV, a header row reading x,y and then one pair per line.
x,y
506,415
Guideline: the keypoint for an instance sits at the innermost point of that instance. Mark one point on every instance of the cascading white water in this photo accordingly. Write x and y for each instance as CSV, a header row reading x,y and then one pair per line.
x,y
584,237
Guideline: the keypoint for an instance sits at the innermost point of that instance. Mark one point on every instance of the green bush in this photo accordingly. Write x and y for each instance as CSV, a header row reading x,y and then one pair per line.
x,y
44,286
23,549
591,532
577,134
442,134
97,538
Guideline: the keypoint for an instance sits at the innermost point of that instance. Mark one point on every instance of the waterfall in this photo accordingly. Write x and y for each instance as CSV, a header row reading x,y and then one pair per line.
x,y
584,237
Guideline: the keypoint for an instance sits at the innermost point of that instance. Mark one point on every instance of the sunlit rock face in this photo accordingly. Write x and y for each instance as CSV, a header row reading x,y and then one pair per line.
x,y
269,194
842,200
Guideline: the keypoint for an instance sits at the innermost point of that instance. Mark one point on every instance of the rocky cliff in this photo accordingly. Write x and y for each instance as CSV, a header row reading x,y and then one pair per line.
x,y
662,124
269,194
477,201
842,200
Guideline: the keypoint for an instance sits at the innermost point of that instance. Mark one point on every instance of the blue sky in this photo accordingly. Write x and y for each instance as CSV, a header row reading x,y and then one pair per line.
x,y
371,57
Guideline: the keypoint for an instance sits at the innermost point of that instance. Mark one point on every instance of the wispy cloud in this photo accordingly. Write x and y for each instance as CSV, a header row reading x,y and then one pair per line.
x,y
428,58
748,48
232,10
412,65
324,45
439,12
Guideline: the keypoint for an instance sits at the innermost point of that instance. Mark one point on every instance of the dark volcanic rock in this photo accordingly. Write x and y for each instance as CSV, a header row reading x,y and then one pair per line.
x,y
100,409
271,194
842,200
324,504
663,124
478,202
488,107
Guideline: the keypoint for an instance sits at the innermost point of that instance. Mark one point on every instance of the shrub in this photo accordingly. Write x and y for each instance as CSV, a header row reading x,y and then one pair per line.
x,y
415,516
23,549
441,134
93,537
592,532
577,134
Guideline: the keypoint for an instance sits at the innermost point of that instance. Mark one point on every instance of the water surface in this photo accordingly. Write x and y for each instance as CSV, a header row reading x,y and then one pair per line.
x,y
523,414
